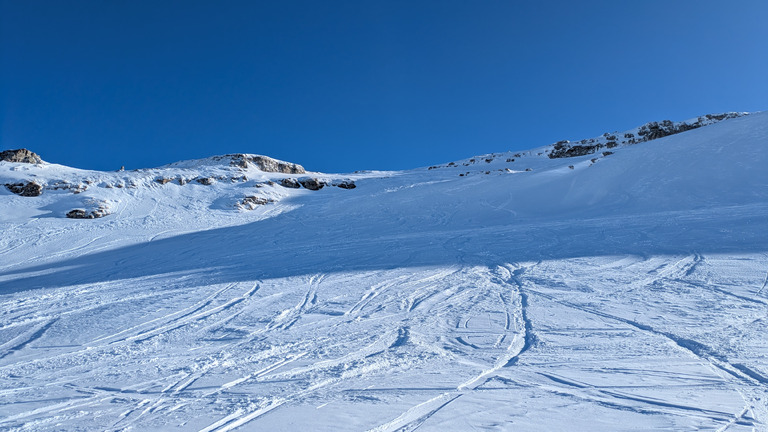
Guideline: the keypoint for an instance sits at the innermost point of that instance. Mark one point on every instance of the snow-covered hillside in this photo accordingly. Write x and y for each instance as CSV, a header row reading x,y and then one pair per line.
x,y
623,288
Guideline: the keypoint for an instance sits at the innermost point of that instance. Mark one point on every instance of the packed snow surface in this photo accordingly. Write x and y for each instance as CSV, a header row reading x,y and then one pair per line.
x,y
620,291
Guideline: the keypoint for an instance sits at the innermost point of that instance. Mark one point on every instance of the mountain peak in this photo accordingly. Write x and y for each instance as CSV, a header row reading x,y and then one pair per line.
x,y
20,156
244,161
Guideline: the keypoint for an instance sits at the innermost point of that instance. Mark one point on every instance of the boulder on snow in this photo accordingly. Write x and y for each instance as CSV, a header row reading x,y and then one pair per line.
x,y
290,183
205,180
312,183
29,189
251,202
93,209
87,214
20,156
345,184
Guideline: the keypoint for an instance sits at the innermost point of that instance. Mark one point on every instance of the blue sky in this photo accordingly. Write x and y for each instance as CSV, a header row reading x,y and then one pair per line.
x,y
346,85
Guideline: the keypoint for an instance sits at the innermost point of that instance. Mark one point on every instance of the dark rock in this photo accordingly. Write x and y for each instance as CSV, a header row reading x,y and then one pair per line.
x,y
647,132
529,169
290,183
205,180
163,180
312,183
607,153
570,166
345,184
29,189
489,160
573,151
87,214
510,160
719,117
20,156
77,214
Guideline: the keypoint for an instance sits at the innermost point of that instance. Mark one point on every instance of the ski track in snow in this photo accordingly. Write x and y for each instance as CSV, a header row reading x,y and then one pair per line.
x,y
497,337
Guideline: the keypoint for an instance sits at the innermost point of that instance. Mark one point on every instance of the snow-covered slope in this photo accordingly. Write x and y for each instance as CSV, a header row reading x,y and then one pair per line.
x,y
623,290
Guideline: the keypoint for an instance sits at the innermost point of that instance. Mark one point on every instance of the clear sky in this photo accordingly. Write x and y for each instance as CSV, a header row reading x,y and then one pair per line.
x,y
345,85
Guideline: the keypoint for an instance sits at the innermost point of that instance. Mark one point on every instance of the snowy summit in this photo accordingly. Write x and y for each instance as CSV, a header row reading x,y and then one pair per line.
x,y
610,283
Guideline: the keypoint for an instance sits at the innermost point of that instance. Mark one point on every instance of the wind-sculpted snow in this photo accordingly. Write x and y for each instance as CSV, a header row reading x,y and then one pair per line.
x,y
624,294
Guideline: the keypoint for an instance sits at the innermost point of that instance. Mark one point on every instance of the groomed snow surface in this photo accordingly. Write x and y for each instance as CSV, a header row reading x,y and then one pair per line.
x,y
629,292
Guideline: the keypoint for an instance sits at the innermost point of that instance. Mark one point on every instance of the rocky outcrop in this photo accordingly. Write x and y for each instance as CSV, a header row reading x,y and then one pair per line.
x,y
205,180
647,132
20,156
93,209
311,183
290,183
656,130
251,202
65,185
264,163
87,214
345,184
565,150
29,189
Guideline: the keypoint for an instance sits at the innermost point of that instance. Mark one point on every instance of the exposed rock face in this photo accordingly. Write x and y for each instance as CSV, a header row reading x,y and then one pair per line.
x,y
290,183
266,164
312,183
205,180
655,130
647,132
29,189
20,155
